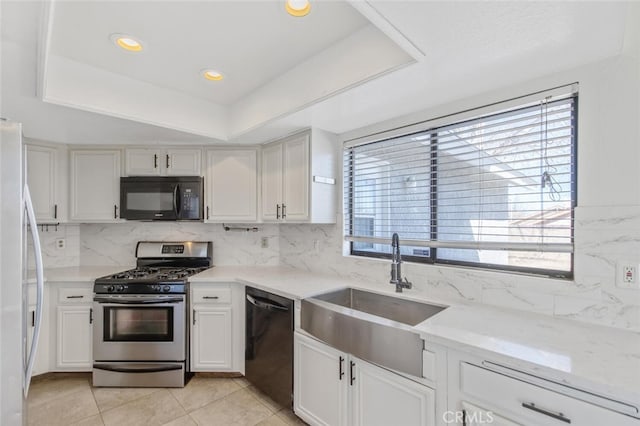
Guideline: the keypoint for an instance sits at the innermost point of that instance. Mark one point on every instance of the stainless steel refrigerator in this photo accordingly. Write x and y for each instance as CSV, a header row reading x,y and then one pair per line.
x,y
17,226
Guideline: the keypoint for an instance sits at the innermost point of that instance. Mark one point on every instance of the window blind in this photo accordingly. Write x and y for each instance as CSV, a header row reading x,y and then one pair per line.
x,y
504,182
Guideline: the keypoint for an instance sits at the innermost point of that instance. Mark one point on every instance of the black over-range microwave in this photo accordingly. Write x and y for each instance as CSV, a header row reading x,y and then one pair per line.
x,y
161,198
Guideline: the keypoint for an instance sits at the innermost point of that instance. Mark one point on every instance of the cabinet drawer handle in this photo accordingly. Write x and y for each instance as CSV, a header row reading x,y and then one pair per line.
x,y
211,297
55,211
155,161
277,211
558,416
284,211
75,297
341,370
351,376
90,315
168,161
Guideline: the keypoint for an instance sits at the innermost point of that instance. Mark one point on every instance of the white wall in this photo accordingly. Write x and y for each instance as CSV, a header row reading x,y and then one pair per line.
x,y
607,219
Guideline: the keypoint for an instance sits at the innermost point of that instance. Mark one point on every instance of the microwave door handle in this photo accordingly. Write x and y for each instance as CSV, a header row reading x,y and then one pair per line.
x,y
175,199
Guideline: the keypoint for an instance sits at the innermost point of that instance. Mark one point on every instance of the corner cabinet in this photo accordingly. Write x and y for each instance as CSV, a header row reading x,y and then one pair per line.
x,y
47,178
163,162
95,185
232,185
217,327
334,388
299,178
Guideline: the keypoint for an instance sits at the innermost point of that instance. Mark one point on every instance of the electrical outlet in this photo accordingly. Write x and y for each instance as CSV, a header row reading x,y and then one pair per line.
x,y
628,275
61,243
264,242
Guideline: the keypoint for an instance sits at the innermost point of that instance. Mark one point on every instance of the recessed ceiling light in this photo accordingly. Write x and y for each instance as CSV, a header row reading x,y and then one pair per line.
x,y
126,42
212,75
297,7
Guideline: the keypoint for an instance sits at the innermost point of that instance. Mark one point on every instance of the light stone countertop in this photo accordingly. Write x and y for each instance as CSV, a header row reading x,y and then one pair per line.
x,y
586,356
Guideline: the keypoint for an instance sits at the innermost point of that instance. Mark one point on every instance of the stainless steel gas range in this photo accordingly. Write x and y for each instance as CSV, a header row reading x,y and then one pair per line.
x,y
140,325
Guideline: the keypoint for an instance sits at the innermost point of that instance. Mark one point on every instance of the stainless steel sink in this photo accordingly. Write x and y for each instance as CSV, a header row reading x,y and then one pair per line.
x,y
371,326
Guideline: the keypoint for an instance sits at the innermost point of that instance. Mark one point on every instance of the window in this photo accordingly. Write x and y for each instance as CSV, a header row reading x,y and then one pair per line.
x,y
497,191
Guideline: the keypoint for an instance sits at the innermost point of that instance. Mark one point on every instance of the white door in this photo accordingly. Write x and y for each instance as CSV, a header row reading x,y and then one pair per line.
x,y
95,185
232,185
41,177
211,340
74,332
382,398
143,162
182,162
272,182
296,179
320,383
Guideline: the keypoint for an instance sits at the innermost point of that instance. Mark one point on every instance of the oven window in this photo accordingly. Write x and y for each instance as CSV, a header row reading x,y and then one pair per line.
x,y
140,324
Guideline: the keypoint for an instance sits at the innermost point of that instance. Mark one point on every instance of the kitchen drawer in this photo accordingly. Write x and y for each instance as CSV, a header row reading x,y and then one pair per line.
x,y
531,404
429,365
75,295
214,295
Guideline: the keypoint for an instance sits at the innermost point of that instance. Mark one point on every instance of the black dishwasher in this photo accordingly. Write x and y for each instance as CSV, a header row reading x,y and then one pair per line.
x,y
269,344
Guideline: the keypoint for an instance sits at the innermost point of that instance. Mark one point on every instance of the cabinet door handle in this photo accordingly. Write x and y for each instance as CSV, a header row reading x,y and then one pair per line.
x,y
341,370
90,315
277,211
351,375
155,161
207,212
194,317
284,211
75,297
33,318
115,211
558,416
55,211
168,161
210,297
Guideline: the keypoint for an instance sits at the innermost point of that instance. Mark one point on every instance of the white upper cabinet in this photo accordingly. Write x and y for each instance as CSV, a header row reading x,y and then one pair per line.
x,y
47,179
163,162
299,178
95,185
232,185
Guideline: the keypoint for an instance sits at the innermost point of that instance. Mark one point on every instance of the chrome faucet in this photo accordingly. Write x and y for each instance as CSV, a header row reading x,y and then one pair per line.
x,y
396,261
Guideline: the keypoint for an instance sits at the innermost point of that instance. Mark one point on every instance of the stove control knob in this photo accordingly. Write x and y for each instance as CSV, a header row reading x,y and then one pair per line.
x,y
156,288
110,289
120,287
166,289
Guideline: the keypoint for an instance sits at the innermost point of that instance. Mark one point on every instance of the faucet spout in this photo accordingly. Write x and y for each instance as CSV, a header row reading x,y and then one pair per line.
x,y
396,261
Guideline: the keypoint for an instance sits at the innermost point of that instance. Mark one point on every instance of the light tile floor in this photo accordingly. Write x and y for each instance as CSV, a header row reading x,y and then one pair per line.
x,y
68,399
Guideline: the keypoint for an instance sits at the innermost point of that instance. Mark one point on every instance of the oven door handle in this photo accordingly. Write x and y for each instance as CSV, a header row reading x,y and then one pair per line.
x,y
155,301
136,368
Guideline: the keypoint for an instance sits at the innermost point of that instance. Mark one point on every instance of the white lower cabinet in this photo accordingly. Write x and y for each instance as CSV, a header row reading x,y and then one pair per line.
x,y
74,328
217,327
211,338
335,388
481,395
41,363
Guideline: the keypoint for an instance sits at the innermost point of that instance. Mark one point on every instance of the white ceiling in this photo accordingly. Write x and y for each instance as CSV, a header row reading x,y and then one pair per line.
x,y
469,48
250,42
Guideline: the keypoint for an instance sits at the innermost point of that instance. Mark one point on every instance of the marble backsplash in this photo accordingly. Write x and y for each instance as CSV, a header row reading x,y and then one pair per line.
x,y
52,256
114,244
604,236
